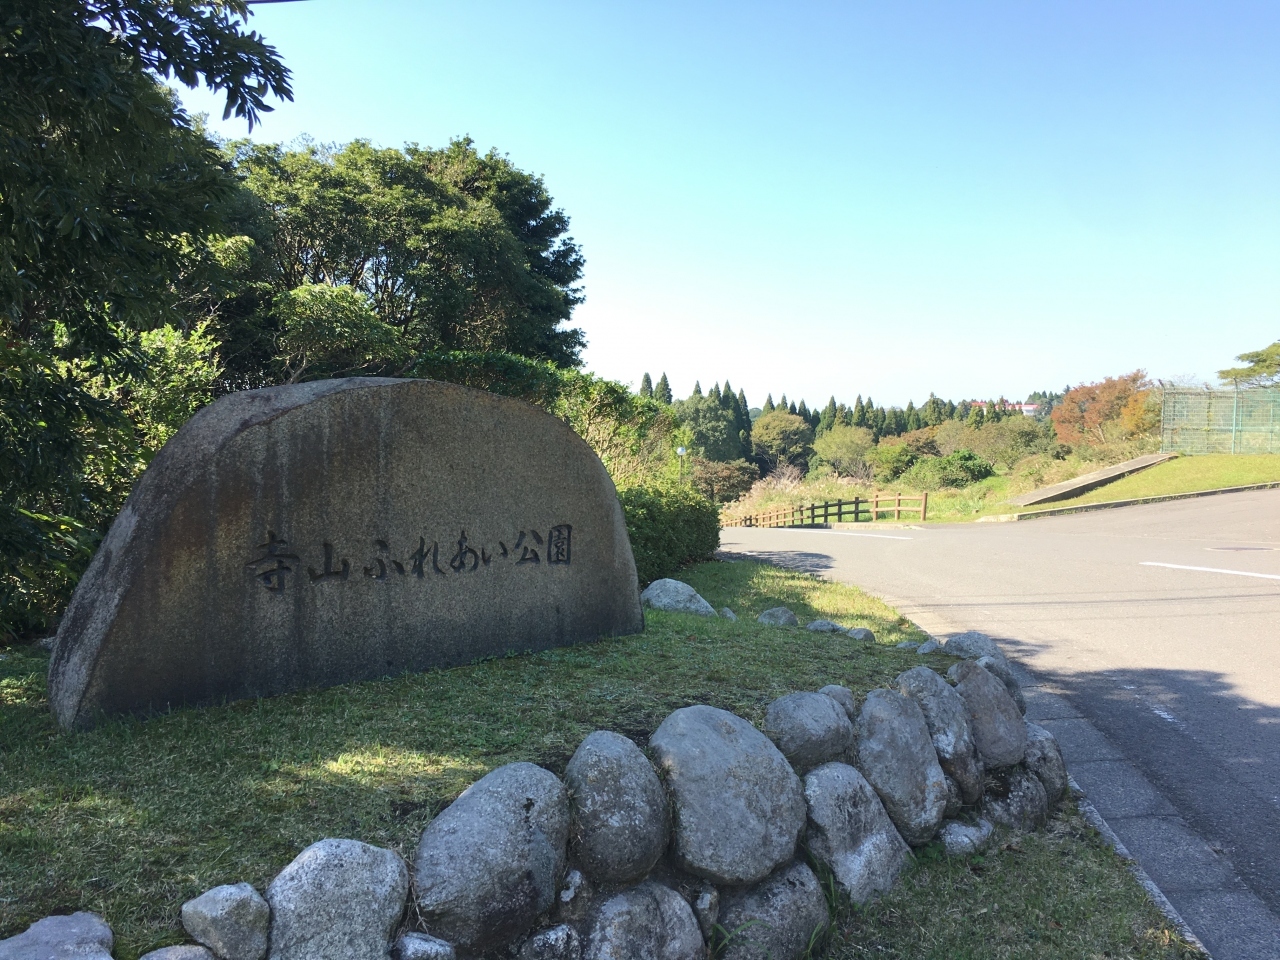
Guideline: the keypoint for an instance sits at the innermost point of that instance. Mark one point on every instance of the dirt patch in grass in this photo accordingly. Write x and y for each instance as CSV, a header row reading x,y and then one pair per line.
x,y
131,819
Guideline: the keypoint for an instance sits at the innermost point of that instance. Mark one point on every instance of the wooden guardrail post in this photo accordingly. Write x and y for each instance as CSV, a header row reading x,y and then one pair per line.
x,y
924,504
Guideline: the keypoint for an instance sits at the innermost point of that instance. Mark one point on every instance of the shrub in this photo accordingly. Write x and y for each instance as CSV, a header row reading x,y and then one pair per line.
x,y
957,469
669,526
1001,441
723,482
890,461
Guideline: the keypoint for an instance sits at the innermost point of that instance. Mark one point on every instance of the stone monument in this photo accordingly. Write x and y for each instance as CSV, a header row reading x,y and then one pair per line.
x,y
310,535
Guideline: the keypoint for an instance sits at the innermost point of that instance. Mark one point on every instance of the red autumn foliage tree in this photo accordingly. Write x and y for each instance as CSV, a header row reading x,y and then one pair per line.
x,y
1096,412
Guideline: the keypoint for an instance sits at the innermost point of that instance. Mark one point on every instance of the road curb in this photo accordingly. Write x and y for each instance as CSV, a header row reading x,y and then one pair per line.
x,y
1109,504
1099,823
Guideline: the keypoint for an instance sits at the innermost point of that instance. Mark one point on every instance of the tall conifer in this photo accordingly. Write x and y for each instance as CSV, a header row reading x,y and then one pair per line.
x,y
662,392
646,385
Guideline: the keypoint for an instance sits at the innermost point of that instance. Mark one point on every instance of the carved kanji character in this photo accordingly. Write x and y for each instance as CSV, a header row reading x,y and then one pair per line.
x,y
558,544
330,572
271,567
529,554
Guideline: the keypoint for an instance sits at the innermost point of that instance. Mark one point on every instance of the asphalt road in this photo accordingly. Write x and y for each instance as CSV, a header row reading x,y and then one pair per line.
x,y
1159,624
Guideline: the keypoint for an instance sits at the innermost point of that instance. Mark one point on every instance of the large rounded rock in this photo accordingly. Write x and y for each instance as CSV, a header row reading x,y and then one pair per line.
x,y
972,646
824,626
422,946
1016,800
648,922
491,862
1044,759
999,731
338,898
560,942
948,722
231,920
896,755
318,533
844,697
779,617
809,728
778,919
960,839
677,597
737,806
1000,667
850,833
618,824
80,936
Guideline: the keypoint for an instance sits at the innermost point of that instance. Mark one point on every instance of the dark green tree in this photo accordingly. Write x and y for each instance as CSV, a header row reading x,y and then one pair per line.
x,y
697,389
859,413
454,249
109,196
715,435
744,425
768,404
827,419
646,386
662,392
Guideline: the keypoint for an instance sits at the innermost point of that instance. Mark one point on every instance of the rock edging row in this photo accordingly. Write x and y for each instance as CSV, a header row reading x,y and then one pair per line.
x,y
698,846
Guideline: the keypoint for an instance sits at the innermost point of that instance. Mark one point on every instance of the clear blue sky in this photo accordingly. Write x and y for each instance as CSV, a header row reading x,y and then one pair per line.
x,y
971,198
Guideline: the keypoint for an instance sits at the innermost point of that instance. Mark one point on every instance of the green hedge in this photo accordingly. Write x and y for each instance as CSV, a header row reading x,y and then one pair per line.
x,y
669,527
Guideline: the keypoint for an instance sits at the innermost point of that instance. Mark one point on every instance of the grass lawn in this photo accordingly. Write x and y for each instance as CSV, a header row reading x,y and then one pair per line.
x,y
1211,471
131,819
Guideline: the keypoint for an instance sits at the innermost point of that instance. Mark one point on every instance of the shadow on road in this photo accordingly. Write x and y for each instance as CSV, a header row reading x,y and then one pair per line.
x,y
797,560
1210,751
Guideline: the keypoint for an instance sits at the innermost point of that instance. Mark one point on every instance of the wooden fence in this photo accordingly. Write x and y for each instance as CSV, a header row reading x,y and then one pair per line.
x,y
879,506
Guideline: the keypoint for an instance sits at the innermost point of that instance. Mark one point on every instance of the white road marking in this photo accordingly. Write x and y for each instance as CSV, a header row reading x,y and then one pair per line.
x,y
1238,573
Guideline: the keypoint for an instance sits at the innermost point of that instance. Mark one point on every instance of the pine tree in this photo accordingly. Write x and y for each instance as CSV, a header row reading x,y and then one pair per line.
x,y
792,409
992,412
782,404
961,411
646,386
913,420
714,393
976,417
802,411
859,413
768,404
950,411
662,392
697,390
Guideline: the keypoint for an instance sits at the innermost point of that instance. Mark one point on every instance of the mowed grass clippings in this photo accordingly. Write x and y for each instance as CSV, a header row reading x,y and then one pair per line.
x,y
1060,893
134,817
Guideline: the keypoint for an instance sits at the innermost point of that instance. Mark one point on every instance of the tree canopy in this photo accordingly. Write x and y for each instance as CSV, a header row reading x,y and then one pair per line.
x,y
109,198
1261,368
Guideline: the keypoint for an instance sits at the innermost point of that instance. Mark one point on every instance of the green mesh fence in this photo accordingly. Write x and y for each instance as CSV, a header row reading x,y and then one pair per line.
x,y
1221,421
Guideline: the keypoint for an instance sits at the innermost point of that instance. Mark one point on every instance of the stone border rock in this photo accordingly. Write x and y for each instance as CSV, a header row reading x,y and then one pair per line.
x,y
538,868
